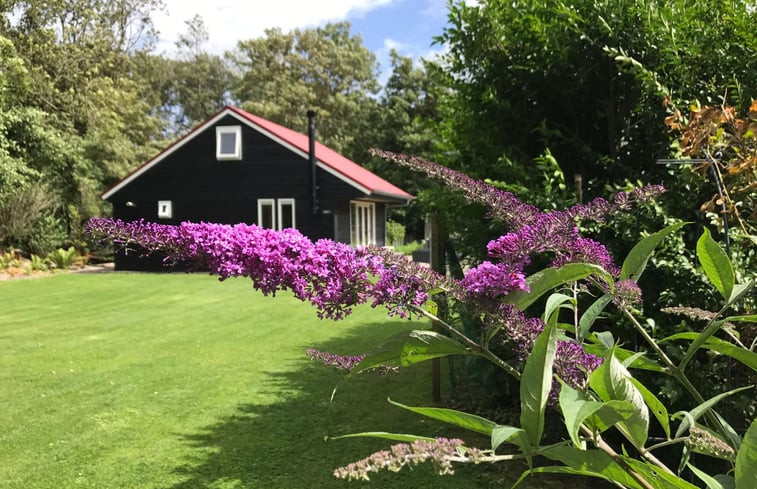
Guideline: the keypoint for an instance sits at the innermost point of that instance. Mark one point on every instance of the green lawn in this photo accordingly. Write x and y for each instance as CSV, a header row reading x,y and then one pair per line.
x,y
175,381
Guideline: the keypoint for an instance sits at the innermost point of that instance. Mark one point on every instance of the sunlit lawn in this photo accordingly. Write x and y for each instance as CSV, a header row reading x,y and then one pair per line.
x,y
176,381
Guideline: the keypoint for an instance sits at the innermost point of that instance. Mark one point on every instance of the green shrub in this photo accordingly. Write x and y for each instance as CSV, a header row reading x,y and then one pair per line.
x,y
7,259
395,233
38,264
407,249
47,233
62,259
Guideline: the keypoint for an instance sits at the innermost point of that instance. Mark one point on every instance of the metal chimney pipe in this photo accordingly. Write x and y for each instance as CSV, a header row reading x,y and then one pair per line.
x,y
311,158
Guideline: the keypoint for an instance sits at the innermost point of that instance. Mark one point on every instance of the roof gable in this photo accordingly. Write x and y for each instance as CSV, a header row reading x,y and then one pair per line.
x,y
327,159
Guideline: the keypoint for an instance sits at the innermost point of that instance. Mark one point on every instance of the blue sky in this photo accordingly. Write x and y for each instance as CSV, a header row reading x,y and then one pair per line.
x,y
406,25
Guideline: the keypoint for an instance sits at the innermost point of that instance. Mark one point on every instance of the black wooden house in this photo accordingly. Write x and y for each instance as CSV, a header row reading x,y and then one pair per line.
x,y
240,168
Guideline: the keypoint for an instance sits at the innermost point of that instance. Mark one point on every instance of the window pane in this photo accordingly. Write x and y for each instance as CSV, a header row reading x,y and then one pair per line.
x,y
353,224
228,143
287,215
266,216
362,223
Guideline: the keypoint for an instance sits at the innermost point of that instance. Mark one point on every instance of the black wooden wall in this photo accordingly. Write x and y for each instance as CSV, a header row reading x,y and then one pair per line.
x,y
201,188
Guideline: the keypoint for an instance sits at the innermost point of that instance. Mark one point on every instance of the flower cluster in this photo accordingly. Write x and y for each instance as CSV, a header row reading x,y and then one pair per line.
x,y
533,231
344,362
627,294
332,276
438,451
144,237
340,362
572,364
494,280
705,442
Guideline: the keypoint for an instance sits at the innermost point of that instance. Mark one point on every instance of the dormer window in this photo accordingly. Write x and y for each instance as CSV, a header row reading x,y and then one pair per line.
x,y
229,142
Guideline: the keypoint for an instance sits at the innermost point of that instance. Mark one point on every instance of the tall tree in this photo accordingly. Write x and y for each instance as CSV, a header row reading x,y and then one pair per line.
x,y
283,74
535,74
202,81
585,83
78,54
39,164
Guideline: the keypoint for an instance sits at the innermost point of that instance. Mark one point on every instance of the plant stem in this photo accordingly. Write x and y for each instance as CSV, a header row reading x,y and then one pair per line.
x,y
640,329
605,447
675,371
665,444
469,343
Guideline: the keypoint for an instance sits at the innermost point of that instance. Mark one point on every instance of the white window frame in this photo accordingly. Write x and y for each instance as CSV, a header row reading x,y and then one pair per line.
x,y
237,132
165,209
362,223
279,214
276,212
264,202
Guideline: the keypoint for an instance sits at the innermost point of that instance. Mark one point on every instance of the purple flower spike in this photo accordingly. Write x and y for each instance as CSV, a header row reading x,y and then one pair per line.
x,y
494,280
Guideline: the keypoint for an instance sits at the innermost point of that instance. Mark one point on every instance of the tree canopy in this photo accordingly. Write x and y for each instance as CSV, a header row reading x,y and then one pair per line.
x,y
586,80
284,74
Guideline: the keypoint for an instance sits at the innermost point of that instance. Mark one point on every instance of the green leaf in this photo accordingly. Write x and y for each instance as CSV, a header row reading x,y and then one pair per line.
x,y
612,381
411,347
593,463
748,318
611,413
748,358
716,264
502,434
432,307
407,348
545,280
636,261
658,409
557,469
458,418
726,480
627,362
383,434
746,460
693,415
591,314
710,481
640,362
575,409
739,291
578,409
554,303
658,477
536,382
730,436
603,338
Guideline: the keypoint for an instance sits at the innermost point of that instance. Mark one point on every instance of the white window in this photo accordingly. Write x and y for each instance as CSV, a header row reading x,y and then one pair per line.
x,y
276,213
229,142
266,213
362,223
285,210
165,210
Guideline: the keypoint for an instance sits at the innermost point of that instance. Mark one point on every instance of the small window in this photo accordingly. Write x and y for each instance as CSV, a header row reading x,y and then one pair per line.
x,y
266,213
276,213
362,223
165,210
229,142
286,213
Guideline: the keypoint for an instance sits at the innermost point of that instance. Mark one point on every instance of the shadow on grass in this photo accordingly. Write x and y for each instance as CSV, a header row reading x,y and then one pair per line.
x,y
284,445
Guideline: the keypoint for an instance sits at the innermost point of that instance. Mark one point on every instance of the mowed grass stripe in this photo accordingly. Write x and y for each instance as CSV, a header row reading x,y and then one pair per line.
x,y
177,381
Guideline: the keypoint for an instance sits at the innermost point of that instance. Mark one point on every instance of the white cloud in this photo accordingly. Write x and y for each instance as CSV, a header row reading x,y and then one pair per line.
x,y
229,21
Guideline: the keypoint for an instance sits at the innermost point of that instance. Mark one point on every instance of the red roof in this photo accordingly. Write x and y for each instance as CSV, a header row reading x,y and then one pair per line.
x,y
327,158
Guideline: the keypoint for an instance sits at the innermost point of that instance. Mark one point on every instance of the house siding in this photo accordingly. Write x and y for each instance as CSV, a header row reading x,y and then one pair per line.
x,y
204,189
201,188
